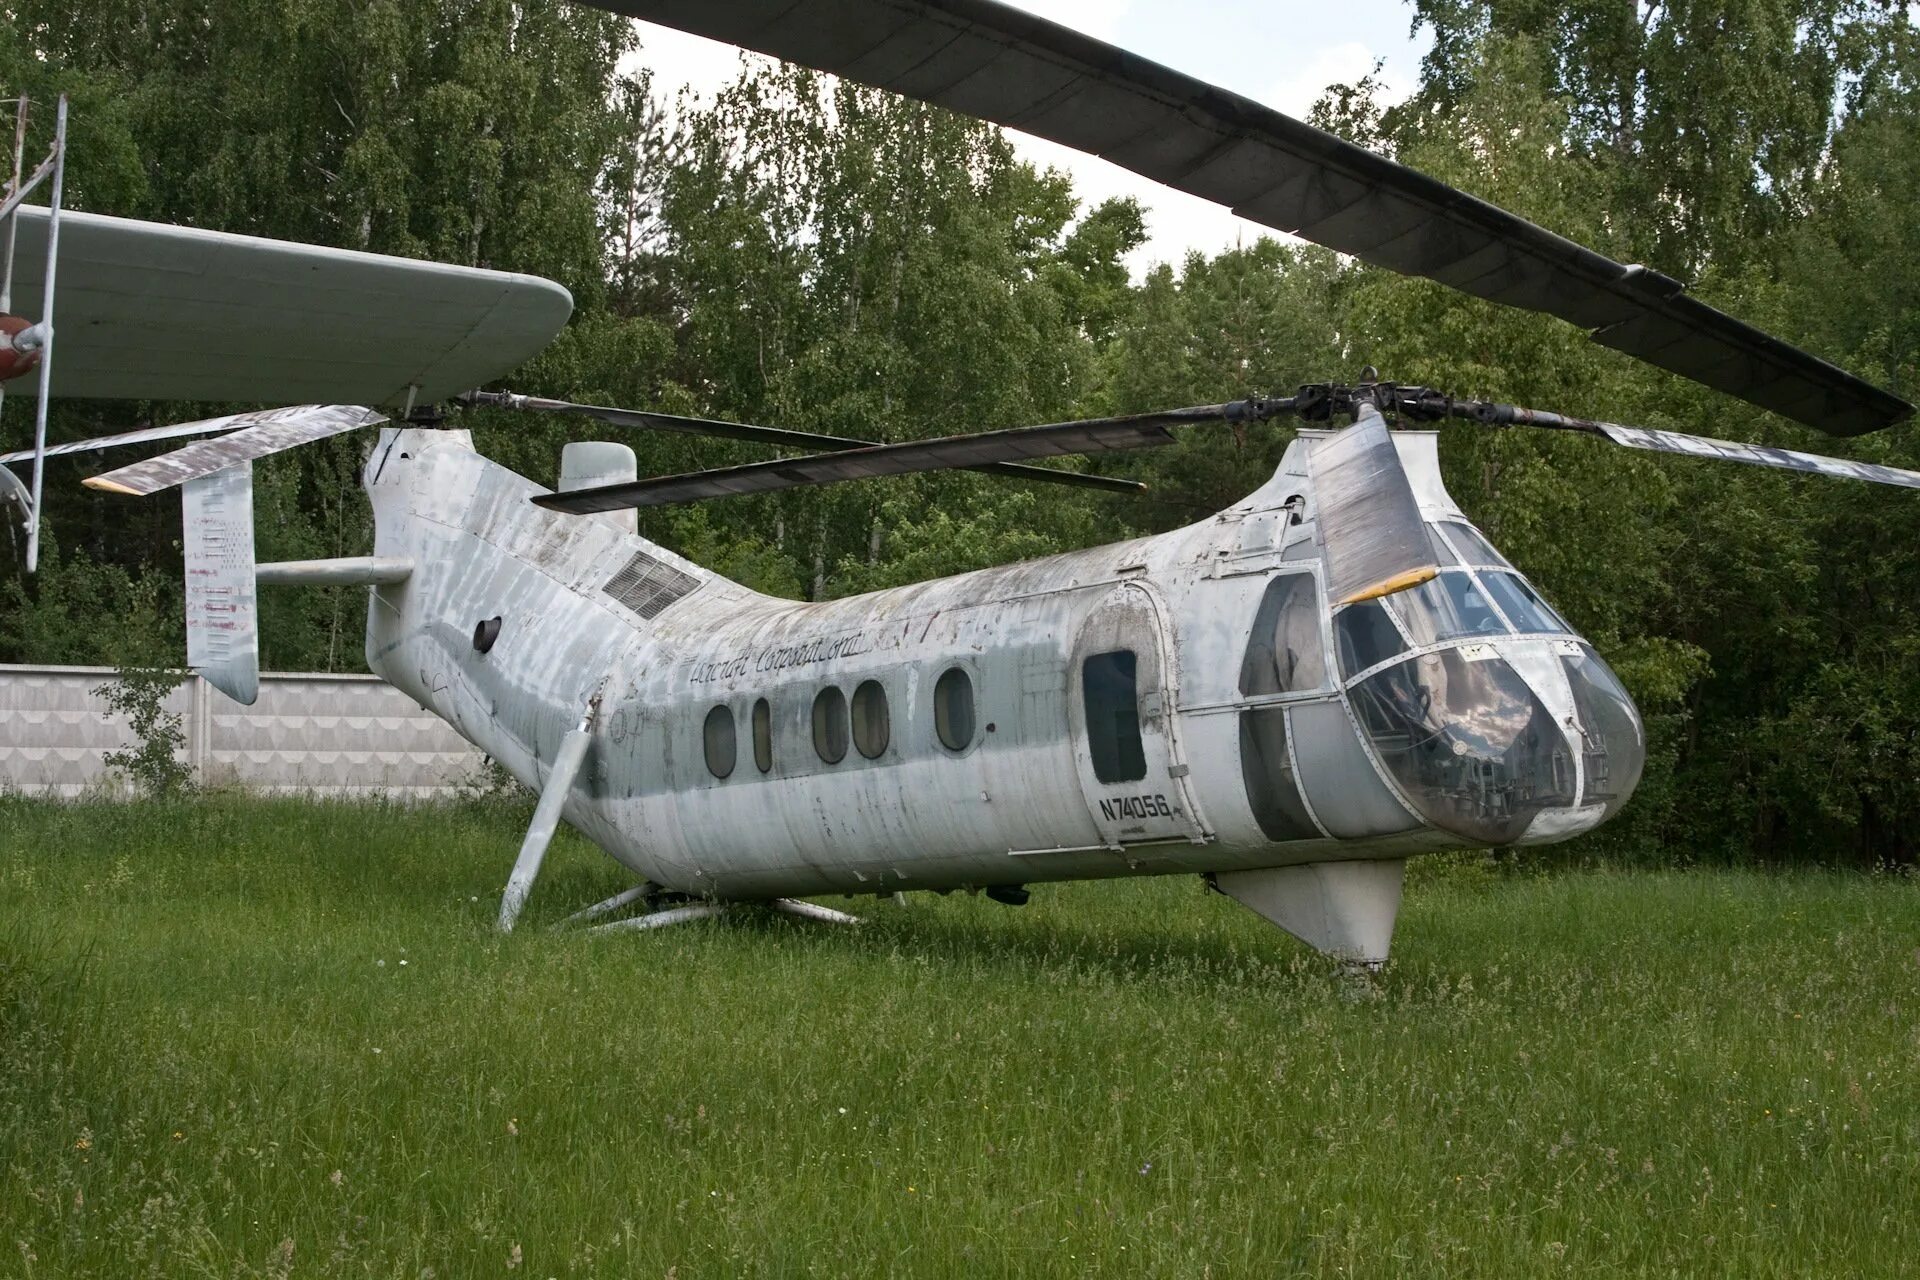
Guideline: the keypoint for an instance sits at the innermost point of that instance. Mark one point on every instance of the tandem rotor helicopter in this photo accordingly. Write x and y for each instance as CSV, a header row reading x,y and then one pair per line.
x,y
1289,697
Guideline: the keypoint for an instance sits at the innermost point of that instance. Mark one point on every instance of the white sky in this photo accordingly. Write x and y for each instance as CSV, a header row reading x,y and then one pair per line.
x,y
1281,54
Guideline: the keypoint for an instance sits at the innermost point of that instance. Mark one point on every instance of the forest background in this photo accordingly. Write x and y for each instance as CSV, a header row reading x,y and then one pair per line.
x,y
805,253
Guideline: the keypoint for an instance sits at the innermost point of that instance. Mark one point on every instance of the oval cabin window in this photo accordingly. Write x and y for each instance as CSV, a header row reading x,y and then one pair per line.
x,y
763,736
830,724
872,727
720,743
953,709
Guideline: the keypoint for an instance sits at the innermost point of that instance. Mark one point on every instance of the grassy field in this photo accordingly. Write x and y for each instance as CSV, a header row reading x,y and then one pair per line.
x,y
242,1038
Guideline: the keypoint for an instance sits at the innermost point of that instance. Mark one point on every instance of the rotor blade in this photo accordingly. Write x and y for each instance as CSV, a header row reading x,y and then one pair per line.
x,y
779,436
1758,455
1096,435
267,431
1370,525
145,435
990,61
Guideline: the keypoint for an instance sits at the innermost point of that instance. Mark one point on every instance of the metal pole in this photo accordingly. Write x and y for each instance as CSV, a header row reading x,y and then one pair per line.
x,y
13,223
46,323
13,220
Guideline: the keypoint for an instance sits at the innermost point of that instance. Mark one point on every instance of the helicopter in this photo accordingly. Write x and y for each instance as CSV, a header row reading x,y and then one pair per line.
x,y
1289,697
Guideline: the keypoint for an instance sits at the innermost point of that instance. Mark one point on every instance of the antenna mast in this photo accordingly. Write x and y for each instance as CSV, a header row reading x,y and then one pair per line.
x,y
24,345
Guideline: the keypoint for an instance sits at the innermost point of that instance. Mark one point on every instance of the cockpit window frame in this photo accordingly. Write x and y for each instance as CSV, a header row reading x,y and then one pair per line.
x,y
1402,606
1332,680
1271,598
1560,628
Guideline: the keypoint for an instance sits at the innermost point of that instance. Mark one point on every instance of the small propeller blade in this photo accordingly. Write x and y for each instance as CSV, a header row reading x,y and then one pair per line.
x,y
1370,525
258,434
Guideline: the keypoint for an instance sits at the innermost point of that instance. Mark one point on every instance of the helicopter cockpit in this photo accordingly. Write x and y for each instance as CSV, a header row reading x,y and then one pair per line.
x,y
1495,721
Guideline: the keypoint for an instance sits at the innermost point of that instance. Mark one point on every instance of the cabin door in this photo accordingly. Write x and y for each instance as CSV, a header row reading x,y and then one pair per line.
x,y
1125,732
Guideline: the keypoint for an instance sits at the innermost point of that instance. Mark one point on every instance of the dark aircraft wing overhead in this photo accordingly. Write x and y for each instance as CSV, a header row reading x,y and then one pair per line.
x,y
986,60
1098,435
149,311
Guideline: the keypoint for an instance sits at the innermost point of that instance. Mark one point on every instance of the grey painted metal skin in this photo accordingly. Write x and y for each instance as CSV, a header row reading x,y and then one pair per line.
x,y
1020,803
1371,533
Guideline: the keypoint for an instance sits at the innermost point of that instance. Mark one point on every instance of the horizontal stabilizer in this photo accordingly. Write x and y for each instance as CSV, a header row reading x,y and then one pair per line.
x,y
149,311
256,435
349,571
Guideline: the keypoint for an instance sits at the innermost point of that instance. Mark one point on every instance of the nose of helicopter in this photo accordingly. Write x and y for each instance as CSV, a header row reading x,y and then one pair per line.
x,y
1513,739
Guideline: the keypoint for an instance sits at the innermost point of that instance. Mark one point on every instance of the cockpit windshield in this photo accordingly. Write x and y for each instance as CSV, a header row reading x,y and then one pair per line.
x,y
1472,747
1366,637
1473,547
1522,604
1447,607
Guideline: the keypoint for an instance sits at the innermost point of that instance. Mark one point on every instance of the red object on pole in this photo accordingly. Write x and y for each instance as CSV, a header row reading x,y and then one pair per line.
x,y
14,363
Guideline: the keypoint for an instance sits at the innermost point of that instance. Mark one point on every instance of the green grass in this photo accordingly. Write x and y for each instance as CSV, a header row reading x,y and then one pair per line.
x,y
249,1038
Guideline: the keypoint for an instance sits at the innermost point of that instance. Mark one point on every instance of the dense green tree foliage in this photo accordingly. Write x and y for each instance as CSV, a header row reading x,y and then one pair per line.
x,y
811,254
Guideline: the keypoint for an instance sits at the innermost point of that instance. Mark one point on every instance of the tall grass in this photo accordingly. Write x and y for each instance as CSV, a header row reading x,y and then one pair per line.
x,y
281,1039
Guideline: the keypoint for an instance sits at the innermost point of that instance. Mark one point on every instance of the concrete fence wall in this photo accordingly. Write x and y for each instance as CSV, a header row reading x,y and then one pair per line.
x,y
332,735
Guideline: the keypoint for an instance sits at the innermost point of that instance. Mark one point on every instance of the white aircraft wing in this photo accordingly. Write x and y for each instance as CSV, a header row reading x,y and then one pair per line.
x,y
149,311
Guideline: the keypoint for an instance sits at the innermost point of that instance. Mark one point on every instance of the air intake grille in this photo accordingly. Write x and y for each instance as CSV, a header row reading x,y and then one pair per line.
x,y
647,585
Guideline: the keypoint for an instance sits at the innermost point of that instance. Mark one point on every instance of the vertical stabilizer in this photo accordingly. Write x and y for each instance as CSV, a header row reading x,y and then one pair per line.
x,y
222,628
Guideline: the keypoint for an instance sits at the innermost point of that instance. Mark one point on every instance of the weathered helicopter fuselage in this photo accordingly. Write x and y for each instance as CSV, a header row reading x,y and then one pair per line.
x,y
1183,702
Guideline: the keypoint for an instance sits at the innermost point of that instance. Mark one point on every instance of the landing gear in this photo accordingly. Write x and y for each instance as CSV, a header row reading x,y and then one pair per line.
x,y
662,908
546,816
691,911
1345,909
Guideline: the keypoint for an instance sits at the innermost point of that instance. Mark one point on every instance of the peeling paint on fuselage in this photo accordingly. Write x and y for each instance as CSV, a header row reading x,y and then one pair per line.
x,y
1019,802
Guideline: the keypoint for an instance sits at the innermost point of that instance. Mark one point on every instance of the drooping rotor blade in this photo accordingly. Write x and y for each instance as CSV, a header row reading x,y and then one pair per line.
x,y
1758,455
145,435
997,63
259,434
1097,435
781,437
150,311
1370,526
